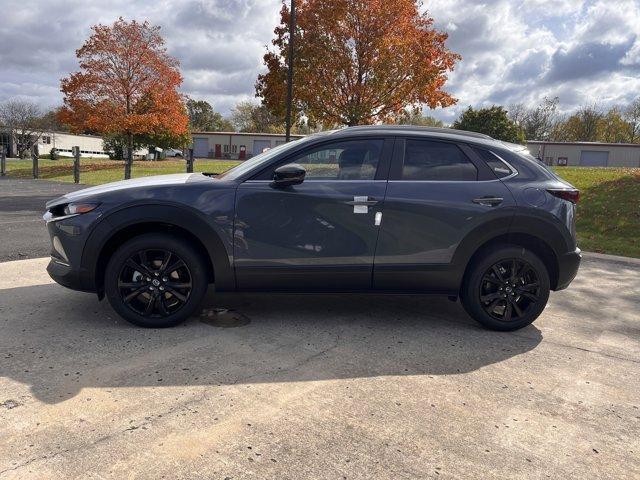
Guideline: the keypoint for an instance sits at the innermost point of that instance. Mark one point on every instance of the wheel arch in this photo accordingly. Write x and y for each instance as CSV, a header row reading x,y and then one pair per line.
x,y
129,222
535,244
541,236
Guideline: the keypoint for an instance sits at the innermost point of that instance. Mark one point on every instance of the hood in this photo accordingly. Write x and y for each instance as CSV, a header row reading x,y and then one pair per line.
x,y
155,181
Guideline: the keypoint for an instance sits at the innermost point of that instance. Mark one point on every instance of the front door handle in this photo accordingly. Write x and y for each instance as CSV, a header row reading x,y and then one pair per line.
x,y
488,201
362,201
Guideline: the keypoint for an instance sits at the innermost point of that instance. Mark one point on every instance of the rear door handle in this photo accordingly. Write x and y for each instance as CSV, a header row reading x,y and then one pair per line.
x,y
488,201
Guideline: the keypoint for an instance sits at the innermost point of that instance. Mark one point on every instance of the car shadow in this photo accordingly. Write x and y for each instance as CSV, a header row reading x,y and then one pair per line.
x,y
58,342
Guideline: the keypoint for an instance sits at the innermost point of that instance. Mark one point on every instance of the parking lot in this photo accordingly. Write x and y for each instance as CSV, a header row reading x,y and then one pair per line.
x,y
21,208
313,386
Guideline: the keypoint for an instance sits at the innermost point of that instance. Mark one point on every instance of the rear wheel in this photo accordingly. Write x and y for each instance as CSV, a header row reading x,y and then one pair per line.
x,y
155,281
506,289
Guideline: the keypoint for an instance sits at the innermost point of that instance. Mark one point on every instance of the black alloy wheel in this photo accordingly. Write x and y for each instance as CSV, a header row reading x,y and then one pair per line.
x,y
156,280
510,289
155,283
506,288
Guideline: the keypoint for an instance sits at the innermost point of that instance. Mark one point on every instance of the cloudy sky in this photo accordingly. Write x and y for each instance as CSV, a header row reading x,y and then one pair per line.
x,y
583,51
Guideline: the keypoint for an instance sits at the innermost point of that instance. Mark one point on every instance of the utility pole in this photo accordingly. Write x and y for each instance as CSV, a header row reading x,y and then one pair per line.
x,y
35,156
292,29
75,151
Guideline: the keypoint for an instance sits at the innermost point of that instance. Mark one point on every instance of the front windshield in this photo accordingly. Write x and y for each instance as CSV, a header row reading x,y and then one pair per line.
x,y
254,162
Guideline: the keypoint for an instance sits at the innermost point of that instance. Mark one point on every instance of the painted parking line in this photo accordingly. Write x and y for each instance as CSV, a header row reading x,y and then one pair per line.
x,y
21,221
24,273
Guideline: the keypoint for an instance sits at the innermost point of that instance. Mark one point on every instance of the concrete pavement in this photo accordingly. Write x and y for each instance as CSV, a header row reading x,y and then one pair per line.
x,y
355,387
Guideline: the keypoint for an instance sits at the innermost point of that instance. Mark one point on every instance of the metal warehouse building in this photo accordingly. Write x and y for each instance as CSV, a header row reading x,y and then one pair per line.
x,y
233,145
586,154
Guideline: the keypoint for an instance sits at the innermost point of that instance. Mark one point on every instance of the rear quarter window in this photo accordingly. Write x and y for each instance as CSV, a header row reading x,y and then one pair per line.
x,y
534,167
498,167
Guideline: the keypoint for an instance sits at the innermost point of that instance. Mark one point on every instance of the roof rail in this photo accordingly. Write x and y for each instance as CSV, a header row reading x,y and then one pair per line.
x,y
415,128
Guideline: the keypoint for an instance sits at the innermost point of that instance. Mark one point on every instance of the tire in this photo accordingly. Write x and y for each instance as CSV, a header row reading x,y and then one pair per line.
x,y
155,280
488,293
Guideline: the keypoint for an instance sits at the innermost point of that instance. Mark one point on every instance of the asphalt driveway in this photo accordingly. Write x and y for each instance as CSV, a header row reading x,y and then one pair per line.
x,y
22,231
321,387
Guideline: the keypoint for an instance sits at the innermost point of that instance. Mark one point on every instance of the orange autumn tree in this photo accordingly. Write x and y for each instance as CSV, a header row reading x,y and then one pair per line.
x,y
127,86
357,61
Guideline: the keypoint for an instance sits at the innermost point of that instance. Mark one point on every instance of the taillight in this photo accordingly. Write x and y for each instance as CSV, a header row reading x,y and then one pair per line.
x,y
571,194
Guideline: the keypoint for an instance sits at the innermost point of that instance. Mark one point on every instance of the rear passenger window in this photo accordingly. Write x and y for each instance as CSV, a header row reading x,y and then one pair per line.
x,y
498,166
439,161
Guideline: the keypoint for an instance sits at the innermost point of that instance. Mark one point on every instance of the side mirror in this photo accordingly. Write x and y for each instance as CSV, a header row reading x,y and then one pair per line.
x,y
287,175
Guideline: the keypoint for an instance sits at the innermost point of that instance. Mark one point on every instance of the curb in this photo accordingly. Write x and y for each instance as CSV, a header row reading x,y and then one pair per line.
x,y
611,258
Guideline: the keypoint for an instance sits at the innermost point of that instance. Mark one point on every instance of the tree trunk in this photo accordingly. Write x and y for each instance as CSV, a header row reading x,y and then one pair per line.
x,y
129,160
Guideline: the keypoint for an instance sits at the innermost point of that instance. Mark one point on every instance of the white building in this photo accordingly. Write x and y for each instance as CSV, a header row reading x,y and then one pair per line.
x,y
90,145
587,154
234,145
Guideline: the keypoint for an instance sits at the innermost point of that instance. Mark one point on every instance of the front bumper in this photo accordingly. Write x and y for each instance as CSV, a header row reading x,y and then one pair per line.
x,y
68,237
568,265
64,274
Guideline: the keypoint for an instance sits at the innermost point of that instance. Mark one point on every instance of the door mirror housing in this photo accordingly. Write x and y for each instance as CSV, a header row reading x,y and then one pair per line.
x,y
287,175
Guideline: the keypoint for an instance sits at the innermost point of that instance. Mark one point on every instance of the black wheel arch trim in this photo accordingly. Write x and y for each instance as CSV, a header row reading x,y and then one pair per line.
x,y
546,230
167,213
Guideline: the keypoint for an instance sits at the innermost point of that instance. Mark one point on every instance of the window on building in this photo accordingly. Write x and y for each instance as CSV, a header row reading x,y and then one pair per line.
x,y
436,161
226,148
46,140
234,149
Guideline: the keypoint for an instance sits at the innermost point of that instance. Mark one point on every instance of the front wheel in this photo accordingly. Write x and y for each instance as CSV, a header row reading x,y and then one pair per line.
x,y
506,289
155,280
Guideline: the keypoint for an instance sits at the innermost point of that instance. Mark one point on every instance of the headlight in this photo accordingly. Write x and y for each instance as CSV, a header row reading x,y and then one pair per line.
x,y
79,208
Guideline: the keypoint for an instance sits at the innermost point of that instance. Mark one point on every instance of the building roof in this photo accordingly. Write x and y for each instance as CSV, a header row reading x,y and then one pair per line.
x,y
58,132
584,144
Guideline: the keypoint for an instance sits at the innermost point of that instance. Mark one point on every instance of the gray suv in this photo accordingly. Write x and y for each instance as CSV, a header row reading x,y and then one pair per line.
x,y
383,209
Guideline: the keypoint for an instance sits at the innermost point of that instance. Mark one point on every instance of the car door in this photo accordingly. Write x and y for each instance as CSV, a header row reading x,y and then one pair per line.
x,y
321,234
439,193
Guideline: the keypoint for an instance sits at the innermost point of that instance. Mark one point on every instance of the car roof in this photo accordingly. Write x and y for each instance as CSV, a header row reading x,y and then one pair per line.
x,y
413,129
431,132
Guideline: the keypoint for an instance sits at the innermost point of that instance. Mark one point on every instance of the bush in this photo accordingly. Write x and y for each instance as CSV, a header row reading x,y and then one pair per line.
x,y
53,154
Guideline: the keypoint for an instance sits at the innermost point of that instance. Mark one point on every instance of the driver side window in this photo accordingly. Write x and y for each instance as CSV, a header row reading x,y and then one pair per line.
x,y
346,160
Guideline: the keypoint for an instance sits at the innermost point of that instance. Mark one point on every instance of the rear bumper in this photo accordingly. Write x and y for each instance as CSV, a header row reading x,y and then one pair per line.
x,y
568,265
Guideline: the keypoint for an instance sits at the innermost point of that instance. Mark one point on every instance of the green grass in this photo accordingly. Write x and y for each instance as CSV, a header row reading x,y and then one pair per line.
x,y
98,171
608,218
608,213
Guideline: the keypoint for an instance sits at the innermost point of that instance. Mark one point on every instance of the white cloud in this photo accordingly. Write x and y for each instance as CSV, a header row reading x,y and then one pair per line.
x,y
523,50
513,50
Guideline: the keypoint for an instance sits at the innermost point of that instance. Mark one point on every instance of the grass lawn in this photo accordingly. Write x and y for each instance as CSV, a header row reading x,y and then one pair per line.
x,y
609,208
98,171
608,212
